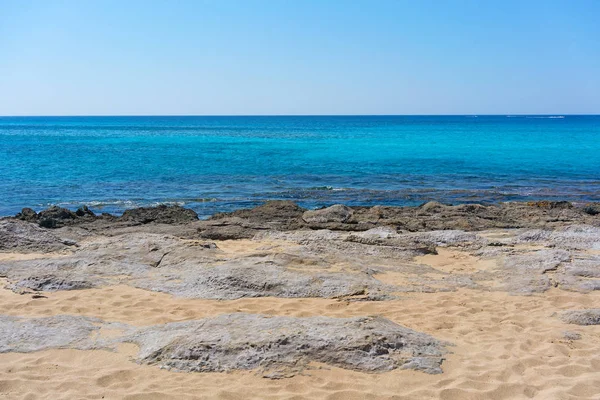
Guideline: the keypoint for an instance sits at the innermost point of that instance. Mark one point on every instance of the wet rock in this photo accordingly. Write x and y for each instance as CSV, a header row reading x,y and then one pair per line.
x,y
550,204
591,208
283,346
278,211
22,236
161,214
431,206
84,211
336,213
27,214
55,217
582,317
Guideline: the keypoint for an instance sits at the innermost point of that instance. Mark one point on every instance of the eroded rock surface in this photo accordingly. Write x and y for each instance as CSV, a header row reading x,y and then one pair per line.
x,y
275,346
25,335
582,317
21,236
283,345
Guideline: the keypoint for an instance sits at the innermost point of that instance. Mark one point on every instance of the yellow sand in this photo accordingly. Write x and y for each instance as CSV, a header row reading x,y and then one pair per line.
x,y
506,347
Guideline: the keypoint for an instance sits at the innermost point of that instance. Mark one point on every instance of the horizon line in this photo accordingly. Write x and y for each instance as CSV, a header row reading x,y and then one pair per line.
x,y
294,115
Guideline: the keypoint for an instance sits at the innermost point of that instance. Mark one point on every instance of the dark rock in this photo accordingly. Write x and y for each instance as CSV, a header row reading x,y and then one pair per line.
x,y
226,232
84,211
431,206
591,208
57,213
55,217
271,211
550,204
27,214
161,214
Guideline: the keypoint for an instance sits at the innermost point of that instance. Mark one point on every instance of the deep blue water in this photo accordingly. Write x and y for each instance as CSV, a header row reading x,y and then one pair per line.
x,y
221,163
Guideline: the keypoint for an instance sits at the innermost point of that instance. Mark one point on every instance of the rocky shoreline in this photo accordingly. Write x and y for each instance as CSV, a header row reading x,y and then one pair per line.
x,y
280,250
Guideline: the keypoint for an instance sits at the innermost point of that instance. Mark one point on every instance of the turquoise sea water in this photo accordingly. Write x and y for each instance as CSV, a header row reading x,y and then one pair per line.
x,y
221,163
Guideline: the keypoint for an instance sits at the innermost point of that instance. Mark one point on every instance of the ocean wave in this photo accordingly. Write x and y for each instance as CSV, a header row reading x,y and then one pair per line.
x,y
327,188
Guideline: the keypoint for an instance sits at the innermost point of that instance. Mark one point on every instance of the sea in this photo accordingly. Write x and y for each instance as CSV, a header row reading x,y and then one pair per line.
x,y
221,163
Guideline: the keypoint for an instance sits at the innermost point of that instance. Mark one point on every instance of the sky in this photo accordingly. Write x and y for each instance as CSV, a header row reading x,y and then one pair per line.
x,y
310,57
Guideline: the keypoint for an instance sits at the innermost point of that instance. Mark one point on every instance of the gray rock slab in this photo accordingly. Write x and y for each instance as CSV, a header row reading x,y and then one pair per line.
x,y
582,317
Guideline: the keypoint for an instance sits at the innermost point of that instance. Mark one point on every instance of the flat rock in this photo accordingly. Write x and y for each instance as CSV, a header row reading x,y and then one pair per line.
x,y
162,214
282,346
277,347
23,335
52,283
582,317
22,236
336,213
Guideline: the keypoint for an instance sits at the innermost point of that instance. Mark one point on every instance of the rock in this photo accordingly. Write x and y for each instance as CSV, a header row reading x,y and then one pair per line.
x,y
27,214
283,346
581,237
52,283
22,236
591,208
431,206
271,211
582,317
550,204
336,213
84,211
26,335
568,335
274,346
56,213
226,232
161,214
55,217
247,278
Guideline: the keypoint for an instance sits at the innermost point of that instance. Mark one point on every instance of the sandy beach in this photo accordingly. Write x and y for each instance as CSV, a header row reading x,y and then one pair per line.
x,y
491,299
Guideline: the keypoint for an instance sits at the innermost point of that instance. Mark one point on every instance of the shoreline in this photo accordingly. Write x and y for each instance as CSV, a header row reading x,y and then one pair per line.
x,y
276,301
287,215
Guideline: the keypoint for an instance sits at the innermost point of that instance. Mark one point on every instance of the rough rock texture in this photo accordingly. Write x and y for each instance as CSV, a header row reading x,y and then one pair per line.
x,y
568,335
582,317
278,211
161,214
16,235
52,283
276,346
335,213
432,216
579,237
591,208
244,279
280,346
34,334
300,258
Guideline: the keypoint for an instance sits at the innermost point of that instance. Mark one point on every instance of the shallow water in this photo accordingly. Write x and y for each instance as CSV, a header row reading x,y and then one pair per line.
x,y
222,163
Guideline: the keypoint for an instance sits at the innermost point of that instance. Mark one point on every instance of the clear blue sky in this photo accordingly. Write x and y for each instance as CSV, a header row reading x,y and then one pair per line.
x,y
299,57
